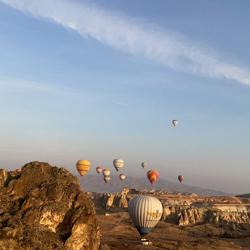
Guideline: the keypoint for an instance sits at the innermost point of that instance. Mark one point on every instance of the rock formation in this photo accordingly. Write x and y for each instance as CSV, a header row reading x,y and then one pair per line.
x,y
110,200
42,207
192,215
184,209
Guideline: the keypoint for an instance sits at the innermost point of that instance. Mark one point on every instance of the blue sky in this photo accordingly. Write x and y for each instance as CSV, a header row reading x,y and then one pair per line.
x,y
103,80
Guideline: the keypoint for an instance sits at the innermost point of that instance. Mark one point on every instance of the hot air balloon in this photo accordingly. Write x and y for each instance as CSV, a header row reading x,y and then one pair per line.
x,y
175,123
83,167
122,177
180,178
106,172
118,164
153,176
144,164
107,178
98,170
145,212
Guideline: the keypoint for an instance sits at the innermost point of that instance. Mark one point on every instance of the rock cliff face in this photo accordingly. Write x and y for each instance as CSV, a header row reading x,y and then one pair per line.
x,y
184,210
109,200
191,215
42,207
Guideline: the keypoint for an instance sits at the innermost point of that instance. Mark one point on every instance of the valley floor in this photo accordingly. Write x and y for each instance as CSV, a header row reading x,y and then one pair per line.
x,y
119,233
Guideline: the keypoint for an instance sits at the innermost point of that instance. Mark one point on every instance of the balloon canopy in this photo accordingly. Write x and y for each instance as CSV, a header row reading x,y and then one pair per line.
x,y
180,178
175,123
83,167
107,179
106,172
145,212
153,176
118,164
99,170
122,177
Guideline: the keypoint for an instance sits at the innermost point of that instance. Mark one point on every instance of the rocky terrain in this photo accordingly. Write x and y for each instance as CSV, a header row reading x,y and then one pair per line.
x,y
42,207
188,221
119,233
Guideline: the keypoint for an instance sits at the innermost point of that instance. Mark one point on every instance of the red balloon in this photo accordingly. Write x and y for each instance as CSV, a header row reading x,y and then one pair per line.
x,y
153,176
180,178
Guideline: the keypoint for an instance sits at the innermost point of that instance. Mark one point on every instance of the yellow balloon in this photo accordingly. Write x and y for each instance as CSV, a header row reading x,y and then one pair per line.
x,y
83,166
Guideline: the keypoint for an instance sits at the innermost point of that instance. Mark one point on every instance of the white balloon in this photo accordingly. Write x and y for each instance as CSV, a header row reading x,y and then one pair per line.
x,y
144,164
107,178
175,123
118,164
106,172
122,177
145,212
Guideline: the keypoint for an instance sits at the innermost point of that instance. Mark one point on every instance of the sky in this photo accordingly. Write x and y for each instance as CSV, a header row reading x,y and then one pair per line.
x,y
102,79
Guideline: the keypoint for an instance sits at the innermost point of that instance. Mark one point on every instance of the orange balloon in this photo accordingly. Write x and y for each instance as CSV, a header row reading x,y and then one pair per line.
x,y
83,167
153,176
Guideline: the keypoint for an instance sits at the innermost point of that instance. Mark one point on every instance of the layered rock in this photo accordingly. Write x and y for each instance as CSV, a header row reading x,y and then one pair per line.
x,y
42,207
184,209
111,201
192,215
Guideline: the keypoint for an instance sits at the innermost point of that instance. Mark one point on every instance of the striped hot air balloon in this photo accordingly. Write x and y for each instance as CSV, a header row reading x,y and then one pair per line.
x,y
145,212
83,167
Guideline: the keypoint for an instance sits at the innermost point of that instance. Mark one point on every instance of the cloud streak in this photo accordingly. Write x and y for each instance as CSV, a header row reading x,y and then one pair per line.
x,y
131,36
35,87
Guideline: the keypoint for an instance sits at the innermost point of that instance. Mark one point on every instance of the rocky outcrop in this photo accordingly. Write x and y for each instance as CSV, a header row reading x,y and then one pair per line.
x,y
112,201
122,199
192,216
183,215
42,207
109,201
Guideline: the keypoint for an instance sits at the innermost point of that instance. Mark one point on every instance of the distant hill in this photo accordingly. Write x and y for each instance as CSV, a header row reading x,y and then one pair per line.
x,y
243,195
95,183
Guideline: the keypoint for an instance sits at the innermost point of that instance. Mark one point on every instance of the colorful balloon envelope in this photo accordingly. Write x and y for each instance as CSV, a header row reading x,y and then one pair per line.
x,y
99,170
145,212
107,179
122,177
83,166
118,164
175,123
153,176
106,172
180,178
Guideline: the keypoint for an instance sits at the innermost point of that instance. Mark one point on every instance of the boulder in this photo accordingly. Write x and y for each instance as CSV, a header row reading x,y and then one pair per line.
x,y
42,207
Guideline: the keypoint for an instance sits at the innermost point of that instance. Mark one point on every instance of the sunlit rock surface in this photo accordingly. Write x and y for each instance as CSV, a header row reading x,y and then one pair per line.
x,y
42,207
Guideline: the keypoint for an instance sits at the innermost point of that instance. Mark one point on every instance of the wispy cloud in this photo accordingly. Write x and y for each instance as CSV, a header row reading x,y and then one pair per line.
x,y
134,37
32,86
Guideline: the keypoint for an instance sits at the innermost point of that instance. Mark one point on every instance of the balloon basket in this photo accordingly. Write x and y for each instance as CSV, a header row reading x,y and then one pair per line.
x,y
146,242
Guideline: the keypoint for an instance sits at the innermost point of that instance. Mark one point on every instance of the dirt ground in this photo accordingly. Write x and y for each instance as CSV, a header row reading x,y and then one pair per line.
x,y
118,233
